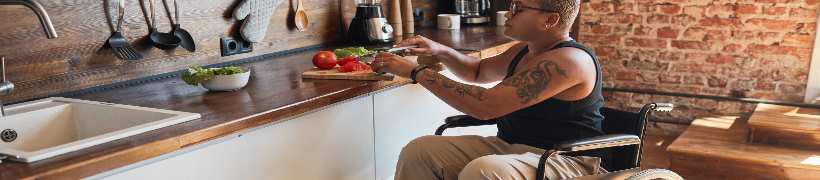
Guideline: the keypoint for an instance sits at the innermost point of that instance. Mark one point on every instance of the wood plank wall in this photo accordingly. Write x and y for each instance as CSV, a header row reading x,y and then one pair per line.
x,y
78,59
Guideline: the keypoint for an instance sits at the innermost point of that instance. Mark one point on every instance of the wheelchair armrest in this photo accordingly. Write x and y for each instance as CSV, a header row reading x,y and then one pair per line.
x,y
462,121
599,142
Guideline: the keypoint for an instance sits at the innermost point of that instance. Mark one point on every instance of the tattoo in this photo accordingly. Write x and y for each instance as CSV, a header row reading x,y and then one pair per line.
x,y
532,82
460,89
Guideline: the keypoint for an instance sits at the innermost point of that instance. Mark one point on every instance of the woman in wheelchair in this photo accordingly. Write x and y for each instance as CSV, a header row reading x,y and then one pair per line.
x,y
550,92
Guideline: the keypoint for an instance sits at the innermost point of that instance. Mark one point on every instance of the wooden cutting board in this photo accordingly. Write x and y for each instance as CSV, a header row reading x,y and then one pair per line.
x,y
335,74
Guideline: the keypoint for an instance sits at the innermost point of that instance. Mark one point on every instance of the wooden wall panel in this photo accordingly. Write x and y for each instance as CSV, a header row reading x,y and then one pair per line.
x,y
78,59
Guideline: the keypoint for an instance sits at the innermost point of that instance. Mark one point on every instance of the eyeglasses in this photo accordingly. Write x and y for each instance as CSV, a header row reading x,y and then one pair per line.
x,y
516,7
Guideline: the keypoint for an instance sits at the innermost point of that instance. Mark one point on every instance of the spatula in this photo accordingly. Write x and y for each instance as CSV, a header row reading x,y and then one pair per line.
x,y
118,43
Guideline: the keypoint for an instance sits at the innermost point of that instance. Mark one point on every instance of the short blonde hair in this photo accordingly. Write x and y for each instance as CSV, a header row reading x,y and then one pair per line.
x,y
567,9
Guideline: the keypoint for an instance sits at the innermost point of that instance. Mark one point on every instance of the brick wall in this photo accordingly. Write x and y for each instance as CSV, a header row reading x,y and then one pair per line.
x,y
760,48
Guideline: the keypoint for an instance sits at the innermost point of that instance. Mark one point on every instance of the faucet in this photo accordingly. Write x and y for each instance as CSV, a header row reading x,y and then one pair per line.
x,y
5,86
38,9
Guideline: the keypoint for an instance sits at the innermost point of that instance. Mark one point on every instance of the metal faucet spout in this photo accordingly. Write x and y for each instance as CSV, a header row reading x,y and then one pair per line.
x,y
38,9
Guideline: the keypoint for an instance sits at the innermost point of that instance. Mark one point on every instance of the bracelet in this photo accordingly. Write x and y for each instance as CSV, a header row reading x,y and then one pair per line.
x,y
415,73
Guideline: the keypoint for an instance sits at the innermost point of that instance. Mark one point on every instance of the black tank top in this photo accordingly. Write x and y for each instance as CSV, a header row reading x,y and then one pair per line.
x,y
552,121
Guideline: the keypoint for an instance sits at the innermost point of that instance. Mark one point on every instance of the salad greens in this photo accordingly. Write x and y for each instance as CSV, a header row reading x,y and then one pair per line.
x,y
197,75
351,51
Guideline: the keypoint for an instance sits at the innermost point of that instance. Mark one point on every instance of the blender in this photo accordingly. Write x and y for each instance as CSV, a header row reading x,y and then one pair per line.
x,y
369,26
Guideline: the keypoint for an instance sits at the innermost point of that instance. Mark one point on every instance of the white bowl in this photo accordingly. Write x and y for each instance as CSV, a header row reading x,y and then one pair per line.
x,y
227,82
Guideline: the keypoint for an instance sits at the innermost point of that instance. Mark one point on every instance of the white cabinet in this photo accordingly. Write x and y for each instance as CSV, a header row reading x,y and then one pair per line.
x,y
334,143
408,112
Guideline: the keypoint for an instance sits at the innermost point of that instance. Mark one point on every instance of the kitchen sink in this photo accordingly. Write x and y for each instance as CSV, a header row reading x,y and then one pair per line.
x,y
49,127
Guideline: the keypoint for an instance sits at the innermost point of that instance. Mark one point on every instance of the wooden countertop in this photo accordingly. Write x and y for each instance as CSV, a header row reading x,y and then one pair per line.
x,y
275,92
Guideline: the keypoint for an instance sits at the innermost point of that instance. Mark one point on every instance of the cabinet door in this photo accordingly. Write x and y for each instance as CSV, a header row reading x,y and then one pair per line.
x,y
408,112
334,143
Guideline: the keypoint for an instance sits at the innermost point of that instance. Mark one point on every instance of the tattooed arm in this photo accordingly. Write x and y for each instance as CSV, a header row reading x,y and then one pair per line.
x,y
530,86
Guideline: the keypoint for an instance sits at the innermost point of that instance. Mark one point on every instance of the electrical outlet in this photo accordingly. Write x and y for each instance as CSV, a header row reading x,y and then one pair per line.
x,y
245,47
231,46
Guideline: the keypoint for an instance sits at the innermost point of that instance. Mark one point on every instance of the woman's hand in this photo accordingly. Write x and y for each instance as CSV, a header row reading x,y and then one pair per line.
x,y
425,47
393,64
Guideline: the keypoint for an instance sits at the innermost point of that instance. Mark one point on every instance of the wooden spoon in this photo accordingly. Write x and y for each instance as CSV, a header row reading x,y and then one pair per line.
x,y
300,18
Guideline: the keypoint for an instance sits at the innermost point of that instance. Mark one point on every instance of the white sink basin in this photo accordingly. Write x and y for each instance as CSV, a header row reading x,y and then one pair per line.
x,y
55,126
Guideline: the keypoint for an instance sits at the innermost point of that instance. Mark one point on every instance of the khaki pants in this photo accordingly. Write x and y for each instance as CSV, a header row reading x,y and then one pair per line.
x,y
477,157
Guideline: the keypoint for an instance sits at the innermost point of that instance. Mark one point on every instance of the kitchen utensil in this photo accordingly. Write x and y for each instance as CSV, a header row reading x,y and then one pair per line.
x,y
118,43
185,39
369,26
300,17
158,39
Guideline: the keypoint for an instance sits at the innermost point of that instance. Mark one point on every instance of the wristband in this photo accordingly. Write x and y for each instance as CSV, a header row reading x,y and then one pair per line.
x,y
415,73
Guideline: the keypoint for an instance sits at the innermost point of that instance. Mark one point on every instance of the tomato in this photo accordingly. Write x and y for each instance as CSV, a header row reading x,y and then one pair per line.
x,y
346,60
354,66
324,60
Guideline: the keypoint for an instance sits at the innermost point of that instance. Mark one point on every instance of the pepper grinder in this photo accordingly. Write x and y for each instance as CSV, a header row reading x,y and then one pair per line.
x,y
395,17
407,16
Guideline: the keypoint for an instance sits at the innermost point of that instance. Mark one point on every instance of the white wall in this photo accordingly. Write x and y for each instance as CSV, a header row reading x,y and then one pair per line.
x,y
813,85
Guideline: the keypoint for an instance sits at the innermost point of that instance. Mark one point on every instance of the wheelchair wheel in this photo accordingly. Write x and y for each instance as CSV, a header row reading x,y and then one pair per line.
x,y
652,174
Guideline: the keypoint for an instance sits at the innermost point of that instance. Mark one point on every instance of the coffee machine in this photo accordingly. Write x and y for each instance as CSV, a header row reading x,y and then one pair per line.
x,y
369,26
471,11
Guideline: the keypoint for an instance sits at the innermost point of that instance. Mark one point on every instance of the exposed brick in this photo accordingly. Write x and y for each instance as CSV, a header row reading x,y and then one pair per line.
x,y
721,10
599,39
627,75
696,45
795,39
606,51
669,8
657,19
645,43
683,20
803,13
769,49
776,25
764,86
642,31
601,7
806,28
600,29
791,88
697,56
775,11
720,22
746,9
721,59
694,80
672,79
719,35
625,7
732,48
667,32
694,10
811,2
694,33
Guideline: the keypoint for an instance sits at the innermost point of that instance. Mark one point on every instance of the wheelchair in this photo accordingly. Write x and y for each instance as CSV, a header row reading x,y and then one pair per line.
x,y
624,132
